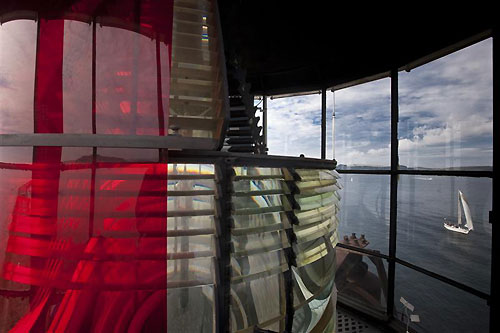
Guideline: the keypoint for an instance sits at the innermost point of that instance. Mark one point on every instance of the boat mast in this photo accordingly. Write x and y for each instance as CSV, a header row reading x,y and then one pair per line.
x,y
459,208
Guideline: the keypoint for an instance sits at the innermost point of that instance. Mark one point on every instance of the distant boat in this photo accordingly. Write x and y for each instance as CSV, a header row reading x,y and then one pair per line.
x,y
468,218
424,178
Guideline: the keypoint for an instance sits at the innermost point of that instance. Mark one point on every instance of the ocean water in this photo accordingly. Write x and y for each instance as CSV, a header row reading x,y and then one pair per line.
x,y
423,203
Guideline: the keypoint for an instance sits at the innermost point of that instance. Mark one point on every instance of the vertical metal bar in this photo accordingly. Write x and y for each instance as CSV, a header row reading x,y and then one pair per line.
x,y
394,192
37,48
494,229
159,90
223,177
323,123
94,130
94,42
333,125
264,121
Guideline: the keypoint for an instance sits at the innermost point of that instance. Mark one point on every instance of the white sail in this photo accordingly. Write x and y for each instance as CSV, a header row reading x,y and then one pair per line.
x,y
461,201
468,216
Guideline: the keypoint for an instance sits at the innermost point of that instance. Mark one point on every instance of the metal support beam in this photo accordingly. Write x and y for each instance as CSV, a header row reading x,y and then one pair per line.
x,y
264,121
107,140
430,172
223,179
494,321
323,123
394,192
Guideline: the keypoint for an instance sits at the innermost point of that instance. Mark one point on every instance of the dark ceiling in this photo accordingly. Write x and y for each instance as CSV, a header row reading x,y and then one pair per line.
x,y
298,46
302,46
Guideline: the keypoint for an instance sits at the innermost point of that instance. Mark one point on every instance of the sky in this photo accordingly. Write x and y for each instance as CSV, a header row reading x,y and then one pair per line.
x,y
445,110
446,117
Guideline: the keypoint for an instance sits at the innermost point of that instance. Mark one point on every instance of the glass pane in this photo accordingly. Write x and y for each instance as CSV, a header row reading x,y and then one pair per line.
x,y
192,246
197,170
126,83
17,76
330,123
190,309
257,301
257,266
364,210
189,272
243,187
363,125
361,281
81,236
244,172
190,225
423,205
441,307
446,111
196,85
259,243
313,288
252,223
258,201
294,126
77,77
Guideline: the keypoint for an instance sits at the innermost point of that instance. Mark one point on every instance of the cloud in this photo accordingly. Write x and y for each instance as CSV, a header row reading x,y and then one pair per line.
x,y
294,126
445,116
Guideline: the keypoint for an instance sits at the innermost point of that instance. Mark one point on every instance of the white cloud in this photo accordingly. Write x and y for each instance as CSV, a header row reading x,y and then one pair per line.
x,y
445,116
294,126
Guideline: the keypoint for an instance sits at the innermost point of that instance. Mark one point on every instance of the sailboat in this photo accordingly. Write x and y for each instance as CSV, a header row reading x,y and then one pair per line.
x,y
468,218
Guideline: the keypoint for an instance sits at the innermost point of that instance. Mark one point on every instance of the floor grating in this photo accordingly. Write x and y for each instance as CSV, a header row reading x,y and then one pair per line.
x,y
348,324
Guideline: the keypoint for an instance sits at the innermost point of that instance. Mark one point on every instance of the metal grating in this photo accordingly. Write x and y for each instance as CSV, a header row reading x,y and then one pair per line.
x,y
349,324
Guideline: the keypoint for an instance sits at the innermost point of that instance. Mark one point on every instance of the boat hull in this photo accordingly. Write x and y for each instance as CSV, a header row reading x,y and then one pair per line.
x,y
456,229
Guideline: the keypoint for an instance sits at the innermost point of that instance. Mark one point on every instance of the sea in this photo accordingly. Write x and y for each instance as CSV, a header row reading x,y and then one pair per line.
x,y
423,204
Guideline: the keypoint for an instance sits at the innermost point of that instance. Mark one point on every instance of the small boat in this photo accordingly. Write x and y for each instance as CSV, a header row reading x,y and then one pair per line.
x,y
468,218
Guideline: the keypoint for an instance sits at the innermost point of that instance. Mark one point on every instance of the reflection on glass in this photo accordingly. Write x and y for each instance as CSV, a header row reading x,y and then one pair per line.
x,y
365,209
424,203
126,83
244,172
330,125
17,76
363,125
83,237
258,265
257,302
269,186
196,85
310,307
316,238
77,77
436,101
441,307
190,309
361,281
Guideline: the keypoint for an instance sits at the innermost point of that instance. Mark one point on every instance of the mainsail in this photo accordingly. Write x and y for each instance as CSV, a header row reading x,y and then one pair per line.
x,y
468,216
461,201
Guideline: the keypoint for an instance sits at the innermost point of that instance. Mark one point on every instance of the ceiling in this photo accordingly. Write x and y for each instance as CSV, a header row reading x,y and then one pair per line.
x,y
292,46
289,47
